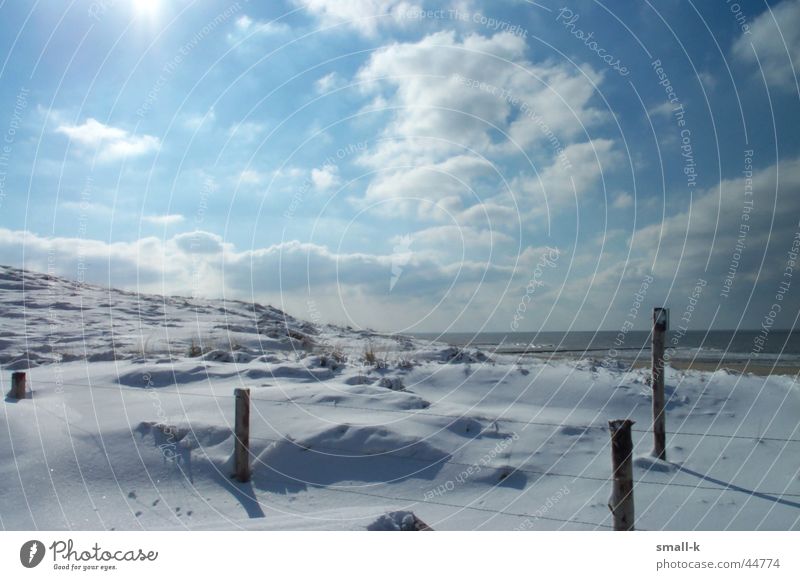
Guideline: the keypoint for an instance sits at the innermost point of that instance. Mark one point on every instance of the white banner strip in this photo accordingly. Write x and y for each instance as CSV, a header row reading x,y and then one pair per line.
x,y
354,555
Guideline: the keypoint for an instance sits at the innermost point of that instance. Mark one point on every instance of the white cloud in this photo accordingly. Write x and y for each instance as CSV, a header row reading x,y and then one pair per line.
x,y
164,220
708,80
717,235
622,200
327,83
201,262
559,185
663,110
460,241
287,173
118,263
713,239
493,213
195,122
199,242
420,79
112,142
246,131
282,273
453,94
429,191
458,89
246,27
92,132
687,237
774,37
325,177
251,177
365,16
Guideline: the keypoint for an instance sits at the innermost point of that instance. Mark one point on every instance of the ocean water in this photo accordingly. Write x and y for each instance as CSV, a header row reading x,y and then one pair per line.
x,y
780,346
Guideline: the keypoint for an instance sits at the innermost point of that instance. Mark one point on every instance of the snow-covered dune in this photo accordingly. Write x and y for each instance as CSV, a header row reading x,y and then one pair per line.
x,y
128,426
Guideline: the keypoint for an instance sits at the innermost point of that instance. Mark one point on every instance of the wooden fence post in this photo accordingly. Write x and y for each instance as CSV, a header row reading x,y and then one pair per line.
x,y
17,385
621,501
242,435
660,324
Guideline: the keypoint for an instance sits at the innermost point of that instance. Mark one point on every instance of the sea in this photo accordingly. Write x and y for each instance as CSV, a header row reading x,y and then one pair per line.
x,y
778,347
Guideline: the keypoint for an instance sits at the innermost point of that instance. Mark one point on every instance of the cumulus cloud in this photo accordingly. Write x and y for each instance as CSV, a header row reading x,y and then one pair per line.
x,y
251,177
325,177
327,83
566,181
721,237
196,122
774,42
112,142
246,131
246,27
462,108
622,200
460,90
441,188
680,249
93,260
718,240
284,267
199,242
709,232
286,274
364,16
423,80
492,214
664,109
164,220
462,241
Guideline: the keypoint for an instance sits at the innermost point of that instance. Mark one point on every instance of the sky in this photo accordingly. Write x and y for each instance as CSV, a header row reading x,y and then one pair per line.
x,y
412,167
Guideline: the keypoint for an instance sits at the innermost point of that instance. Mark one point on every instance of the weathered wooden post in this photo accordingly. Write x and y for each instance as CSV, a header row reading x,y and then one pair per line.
x,y
242,434
17,386
660,325
621,501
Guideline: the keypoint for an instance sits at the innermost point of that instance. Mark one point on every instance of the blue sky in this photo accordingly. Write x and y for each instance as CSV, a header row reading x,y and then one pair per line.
x,y
411,166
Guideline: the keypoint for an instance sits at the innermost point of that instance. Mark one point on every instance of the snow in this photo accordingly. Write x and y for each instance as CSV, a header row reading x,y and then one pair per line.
x,y
124,429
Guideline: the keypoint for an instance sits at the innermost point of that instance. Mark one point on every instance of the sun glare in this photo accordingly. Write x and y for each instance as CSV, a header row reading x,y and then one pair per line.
x,y
147,8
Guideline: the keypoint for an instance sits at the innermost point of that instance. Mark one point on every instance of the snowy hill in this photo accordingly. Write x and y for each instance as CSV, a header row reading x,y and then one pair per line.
x,y
129,426
48,319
